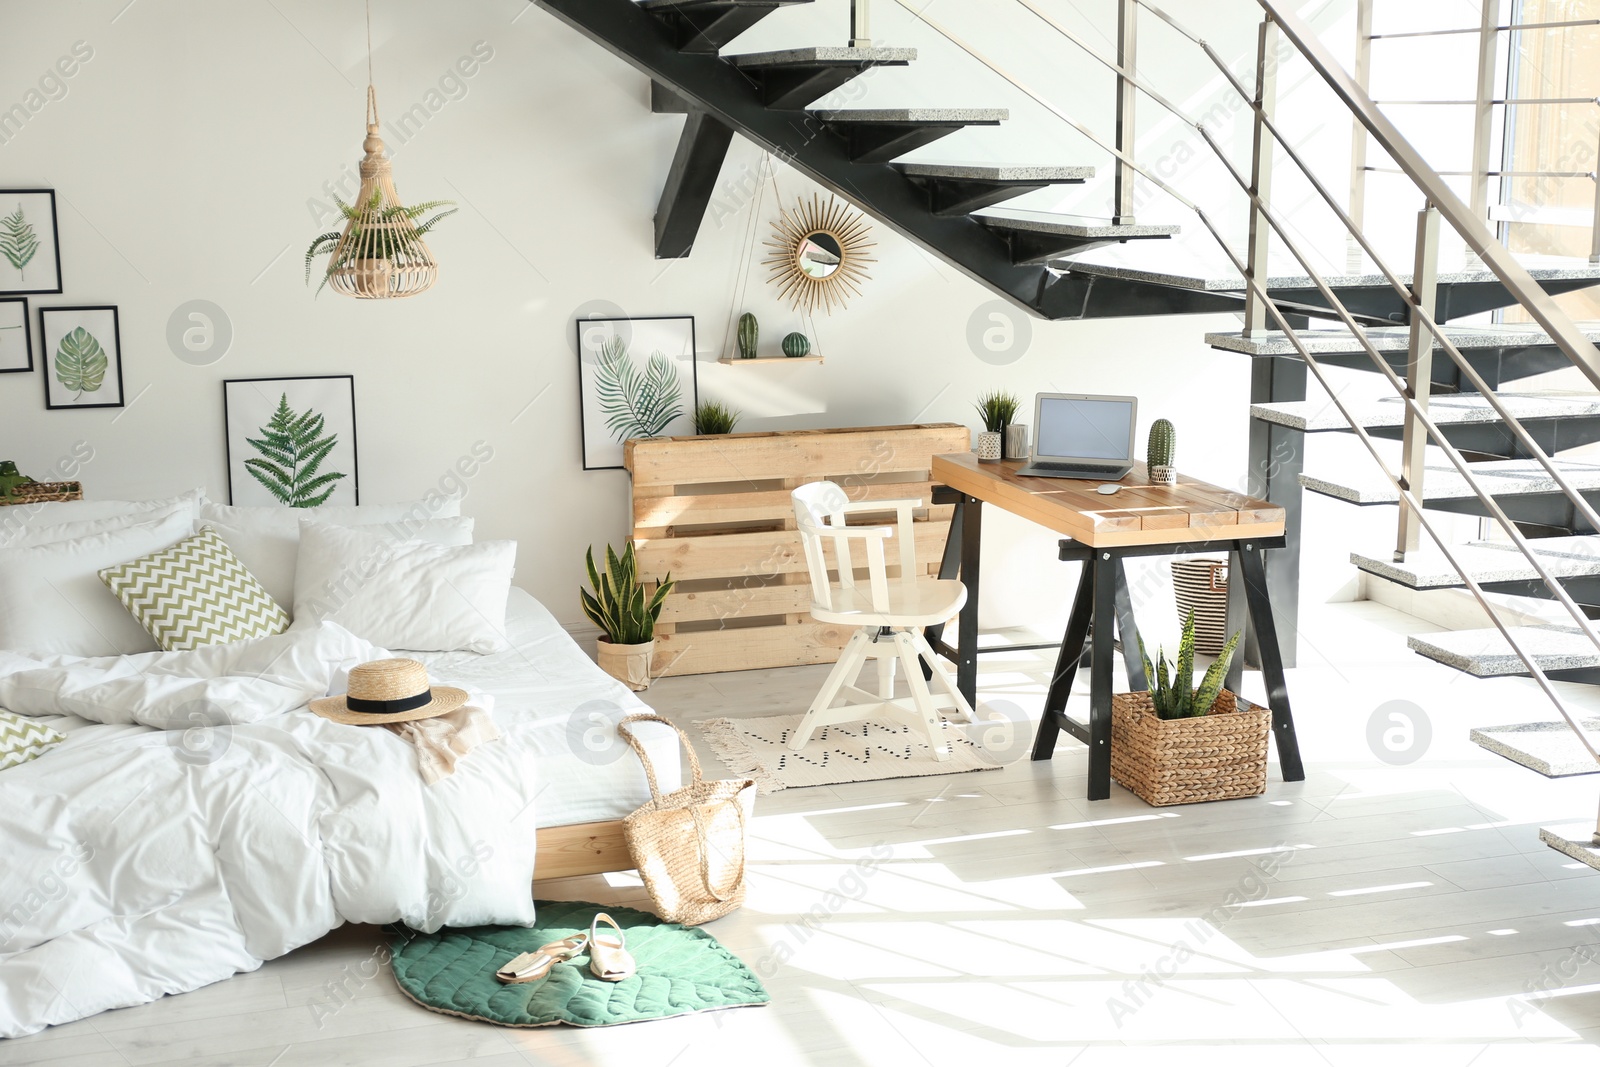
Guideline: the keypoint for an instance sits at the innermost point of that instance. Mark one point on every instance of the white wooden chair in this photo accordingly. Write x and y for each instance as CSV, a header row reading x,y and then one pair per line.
x,y
890,612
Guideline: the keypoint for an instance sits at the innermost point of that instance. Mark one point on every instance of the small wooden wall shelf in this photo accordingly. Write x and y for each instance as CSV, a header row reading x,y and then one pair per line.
x,y
715,513
736,362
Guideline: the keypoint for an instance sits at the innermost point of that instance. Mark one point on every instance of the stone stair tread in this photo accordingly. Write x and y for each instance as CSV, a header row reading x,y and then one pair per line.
x,y
1575,840
1202,267
1486,654
1445,409
1486,561
1551,748
822,54
1441,481
914,114
1069,225
1386,338
997,172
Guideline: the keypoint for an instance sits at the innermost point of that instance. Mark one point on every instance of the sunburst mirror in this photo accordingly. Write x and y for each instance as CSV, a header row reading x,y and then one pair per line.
x,y
818,254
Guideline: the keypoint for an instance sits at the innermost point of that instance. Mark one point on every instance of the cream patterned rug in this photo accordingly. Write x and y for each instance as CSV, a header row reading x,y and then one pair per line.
x,y
867,750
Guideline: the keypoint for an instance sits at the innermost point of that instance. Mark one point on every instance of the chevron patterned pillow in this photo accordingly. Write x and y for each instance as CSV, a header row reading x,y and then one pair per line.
x,y
23,739
194,594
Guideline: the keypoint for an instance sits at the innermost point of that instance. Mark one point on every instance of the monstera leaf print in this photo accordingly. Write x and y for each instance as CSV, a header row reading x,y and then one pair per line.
x,y
292,448
18,242
80,363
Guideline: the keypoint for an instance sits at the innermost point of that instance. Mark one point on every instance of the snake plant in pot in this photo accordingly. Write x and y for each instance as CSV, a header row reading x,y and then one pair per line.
x,y
625,614
1178,743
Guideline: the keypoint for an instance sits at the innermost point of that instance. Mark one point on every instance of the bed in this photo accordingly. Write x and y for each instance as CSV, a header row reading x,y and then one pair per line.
x,y
160,848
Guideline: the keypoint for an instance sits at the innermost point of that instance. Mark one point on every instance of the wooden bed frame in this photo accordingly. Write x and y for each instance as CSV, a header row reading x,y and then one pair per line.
x,y
579,849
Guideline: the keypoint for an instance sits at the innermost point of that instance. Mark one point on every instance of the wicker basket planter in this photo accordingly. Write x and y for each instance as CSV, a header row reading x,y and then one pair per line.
x,y
1218,756
43,493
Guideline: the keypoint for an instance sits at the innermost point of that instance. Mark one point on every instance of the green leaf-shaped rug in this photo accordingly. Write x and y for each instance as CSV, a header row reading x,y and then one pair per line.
x,y
681,970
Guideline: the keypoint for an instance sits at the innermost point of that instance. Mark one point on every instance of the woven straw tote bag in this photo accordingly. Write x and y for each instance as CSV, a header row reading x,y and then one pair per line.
x,y
689,845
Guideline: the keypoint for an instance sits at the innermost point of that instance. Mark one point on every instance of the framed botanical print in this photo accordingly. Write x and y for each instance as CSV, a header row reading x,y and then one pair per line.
x,y
16,340
82,349
30,245
291,441
636,378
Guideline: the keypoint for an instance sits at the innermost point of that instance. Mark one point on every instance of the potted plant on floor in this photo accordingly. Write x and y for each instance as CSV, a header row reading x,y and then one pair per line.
x,y
625,615
1175,744
997,410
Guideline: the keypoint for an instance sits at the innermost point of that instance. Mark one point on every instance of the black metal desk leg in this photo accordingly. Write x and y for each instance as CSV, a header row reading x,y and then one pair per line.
x,y
967,651
1132,658
1254,573
1105,581
1238,618
949,567
1072,644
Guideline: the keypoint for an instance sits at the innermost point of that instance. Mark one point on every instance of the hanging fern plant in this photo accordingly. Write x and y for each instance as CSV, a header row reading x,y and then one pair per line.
x,y
18,241
634,404
292,449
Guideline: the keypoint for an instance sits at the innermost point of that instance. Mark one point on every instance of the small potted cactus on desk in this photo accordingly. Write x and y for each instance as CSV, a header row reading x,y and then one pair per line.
x,y
1158,454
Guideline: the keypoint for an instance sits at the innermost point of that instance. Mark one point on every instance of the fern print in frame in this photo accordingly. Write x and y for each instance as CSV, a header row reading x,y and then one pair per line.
x,y
82,357
637,378
30,249
291,442
293,447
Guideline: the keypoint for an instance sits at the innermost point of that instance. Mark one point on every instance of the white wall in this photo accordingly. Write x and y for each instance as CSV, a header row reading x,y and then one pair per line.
x,y
187,151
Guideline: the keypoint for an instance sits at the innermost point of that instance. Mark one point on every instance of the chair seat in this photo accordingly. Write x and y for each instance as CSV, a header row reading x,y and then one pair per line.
x,y
927,602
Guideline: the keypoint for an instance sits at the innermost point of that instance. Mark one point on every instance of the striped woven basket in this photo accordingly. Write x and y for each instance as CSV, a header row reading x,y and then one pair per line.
x,y
1218,756
1201,586
44,493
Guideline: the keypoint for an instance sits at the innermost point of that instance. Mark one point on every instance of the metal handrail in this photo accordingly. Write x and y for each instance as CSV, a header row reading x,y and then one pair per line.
x,y
1417,412
1515,27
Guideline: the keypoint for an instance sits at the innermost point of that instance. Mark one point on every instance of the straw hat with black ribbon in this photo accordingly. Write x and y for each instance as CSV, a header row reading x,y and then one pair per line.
x,y
389,690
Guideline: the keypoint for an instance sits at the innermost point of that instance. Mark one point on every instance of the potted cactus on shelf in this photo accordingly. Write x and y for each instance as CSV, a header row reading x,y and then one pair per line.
x,y
796,345
1158,453
625,614
1177,743
997,410
749,334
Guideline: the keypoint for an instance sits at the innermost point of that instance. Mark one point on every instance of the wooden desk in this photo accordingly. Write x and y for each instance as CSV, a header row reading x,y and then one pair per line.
x,y
1102,531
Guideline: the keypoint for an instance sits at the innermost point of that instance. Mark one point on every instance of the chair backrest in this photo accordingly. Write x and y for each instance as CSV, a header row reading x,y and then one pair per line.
x,y
819,511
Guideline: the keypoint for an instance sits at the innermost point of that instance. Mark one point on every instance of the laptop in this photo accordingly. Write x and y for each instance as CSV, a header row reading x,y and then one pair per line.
x,y
1078,435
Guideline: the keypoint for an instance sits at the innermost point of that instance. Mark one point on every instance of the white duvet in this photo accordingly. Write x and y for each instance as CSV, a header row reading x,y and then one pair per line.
x,y
223,824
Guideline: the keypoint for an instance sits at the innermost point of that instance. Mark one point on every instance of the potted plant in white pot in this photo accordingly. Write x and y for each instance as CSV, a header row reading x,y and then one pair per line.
x,y
998,410
625,615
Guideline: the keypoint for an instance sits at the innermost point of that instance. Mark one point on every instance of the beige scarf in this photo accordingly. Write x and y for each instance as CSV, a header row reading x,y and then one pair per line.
x,y
442,741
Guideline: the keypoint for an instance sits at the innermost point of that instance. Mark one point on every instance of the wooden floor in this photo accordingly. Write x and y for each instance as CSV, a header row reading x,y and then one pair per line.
x,y
1372,914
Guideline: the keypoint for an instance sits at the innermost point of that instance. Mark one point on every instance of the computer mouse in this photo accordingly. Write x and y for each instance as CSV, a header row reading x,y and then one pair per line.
x,y
1108,488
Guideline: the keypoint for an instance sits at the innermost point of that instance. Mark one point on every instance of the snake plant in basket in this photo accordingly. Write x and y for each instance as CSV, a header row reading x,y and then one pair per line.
x,y
625,614
1177,743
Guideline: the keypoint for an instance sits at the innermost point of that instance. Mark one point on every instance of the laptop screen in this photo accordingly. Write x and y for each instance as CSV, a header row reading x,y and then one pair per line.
x,y
1084,429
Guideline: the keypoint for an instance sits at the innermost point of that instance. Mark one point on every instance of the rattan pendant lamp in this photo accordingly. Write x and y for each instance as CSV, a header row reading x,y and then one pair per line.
x,y
381,254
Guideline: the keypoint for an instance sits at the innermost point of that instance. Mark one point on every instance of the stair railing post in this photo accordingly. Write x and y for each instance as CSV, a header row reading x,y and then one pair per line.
x,y
1483,113
1358,137
860,24
1124,173
1255,312
1419,376
1594,227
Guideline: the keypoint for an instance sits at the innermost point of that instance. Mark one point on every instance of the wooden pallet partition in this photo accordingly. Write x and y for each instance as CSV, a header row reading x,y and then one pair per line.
x,y
714,512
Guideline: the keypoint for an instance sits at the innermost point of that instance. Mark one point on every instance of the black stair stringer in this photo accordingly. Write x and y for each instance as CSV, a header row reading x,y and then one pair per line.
x,y
717,88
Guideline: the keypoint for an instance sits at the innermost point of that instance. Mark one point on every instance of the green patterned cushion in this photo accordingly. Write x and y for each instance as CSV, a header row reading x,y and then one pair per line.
x,y
23,739
195,593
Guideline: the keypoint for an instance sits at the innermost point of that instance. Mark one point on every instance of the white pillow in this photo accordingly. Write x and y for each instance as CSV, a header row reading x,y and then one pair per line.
x,y
49,534
403,594
52,599
267,539
59,511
